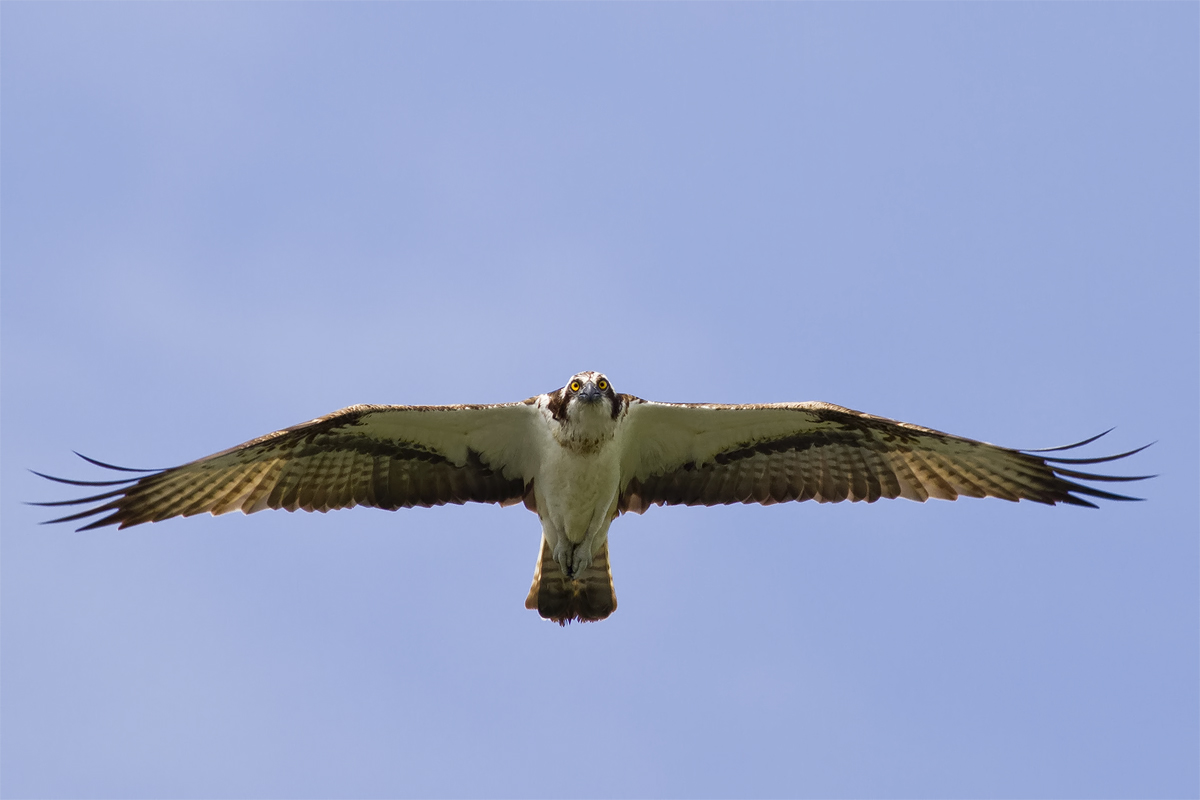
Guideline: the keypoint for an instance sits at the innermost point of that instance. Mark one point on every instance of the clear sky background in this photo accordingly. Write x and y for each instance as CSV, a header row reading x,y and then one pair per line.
x,y
223,219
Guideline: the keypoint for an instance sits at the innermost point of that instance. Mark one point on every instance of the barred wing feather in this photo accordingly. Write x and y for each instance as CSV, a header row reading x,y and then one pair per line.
x,y
721,454
382,456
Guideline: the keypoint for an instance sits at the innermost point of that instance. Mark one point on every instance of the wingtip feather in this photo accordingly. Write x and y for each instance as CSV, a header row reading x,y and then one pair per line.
x,y
1100,460
91,460
83,483
1070,446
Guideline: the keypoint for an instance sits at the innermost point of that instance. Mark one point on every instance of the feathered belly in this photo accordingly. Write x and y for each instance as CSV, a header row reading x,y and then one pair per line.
x,y
573,490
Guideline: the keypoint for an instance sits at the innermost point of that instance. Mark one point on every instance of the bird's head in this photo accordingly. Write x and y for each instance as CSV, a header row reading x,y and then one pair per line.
x,y
587,396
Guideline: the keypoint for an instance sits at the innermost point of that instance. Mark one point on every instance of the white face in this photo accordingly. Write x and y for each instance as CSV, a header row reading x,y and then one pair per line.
x,y
589,394
580,382
585,411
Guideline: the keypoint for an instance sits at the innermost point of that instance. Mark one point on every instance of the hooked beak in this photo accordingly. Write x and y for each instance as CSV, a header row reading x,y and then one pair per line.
x,y
590,393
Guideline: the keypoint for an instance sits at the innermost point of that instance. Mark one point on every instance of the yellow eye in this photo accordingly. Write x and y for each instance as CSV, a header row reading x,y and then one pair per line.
x,y
602,384
574,386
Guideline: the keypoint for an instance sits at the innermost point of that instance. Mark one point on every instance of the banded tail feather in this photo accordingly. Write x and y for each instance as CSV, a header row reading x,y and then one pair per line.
x,y
588,598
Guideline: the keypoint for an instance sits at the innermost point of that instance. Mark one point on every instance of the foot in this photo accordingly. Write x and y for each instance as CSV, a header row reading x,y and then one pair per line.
x,y
564,554
582,559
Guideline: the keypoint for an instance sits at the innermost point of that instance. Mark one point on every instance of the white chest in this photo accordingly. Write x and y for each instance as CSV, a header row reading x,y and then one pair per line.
x,y
575,491
577,481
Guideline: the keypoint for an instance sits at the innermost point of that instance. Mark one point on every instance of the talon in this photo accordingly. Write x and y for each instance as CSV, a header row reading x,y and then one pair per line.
x,y
583,558
562,554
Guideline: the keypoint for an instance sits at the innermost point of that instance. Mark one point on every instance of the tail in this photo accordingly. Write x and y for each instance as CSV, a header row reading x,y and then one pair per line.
x,y
588,598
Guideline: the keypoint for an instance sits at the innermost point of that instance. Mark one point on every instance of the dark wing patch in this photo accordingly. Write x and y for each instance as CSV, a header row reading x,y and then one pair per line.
x,y
836,454
329,463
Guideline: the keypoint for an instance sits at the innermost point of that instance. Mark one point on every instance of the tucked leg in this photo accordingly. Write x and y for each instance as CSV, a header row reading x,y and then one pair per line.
x,y
585,551
564,554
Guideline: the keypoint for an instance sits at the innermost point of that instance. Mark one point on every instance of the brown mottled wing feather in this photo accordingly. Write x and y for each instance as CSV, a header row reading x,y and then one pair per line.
x,y
718,454
382,456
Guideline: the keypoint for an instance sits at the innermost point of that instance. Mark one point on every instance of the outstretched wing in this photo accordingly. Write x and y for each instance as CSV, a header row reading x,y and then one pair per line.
x,y
382,456
720,454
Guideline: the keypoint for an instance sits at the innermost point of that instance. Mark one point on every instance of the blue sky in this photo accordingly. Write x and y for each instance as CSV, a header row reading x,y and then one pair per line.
x,y
223,219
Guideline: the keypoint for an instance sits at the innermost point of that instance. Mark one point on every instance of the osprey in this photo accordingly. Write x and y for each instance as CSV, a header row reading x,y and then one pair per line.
x,y
581,456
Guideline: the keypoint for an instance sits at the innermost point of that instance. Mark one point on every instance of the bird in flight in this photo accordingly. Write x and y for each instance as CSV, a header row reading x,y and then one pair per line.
x,y
581,456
